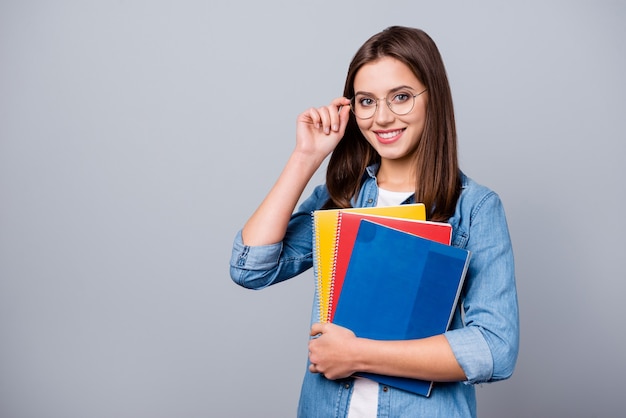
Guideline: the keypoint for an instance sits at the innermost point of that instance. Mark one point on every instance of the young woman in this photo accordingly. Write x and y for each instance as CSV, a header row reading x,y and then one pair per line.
x,y
393,140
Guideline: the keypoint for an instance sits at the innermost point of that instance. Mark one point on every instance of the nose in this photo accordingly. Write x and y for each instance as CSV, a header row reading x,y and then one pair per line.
x,y
383,114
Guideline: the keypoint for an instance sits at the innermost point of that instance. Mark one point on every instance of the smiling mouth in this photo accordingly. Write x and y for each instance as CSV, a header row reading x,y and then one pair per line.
x,y
388,136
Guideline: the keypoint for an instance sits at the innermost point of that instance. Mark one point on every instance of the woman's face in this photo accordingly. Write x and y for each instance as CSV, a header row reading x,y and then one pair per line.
x,y
394,137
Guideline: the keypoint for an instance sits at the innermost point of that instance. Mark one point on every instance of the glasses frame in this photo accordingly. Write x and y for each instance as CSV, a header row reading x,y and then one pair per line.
x,y
388,105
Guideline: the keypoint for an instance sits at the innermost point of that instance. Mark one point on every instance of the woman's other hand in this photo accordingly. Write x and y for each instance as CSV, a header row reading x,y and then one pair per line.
x,y
333,351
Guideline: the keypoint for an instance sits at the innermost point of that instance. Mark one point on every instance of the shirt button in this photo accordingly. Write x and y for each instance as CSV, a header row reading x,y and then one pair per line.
x,y
370,200
347,386
385,389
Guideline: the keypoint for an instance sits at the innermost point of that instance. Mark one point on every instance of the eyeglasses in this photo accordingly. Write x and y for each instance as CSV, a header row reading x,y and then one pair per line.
x,y
364,106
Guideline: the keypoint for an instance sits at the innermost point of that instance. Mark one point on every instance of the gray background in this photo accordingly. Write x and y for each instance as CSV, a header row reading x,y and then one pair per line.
x,y
136,137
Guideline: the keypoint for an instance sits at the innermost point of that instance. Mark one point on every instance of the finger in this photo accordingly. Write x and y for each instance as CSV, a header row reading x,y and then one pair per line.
x,y
334,115
340,102
316,329
326,118
339,117
314,115
335,121
344,117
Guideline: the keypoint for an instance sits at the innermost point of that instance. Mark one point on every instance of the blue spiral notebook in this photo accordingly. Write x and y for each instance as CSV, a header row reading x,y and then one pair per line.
x,y
399,286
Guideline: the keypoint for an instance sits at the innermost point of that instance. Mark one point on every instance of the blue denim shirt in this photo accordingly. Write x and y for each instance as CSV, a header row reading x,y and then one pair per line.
x,y
484,334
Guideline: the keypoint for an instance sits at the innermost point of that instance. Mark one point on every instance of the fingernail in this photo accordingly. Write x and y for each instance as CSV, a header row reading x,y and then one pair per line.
x,y
335,127
327,130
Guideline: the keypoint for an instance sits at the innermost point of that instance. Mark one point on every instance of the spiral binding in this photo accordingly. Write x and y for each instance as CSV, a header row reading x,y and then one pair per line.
x,y
325,233
316,266
331,296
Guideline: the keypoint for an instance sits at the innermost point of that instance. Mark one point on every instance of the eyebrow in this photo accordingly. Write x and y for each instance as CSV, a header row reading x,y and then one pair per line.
x,y
393,90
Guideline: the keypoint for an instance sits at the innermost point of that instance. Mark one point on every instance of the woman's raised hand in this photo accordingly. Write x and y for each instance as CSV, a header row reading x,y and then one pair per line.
x,y
319,130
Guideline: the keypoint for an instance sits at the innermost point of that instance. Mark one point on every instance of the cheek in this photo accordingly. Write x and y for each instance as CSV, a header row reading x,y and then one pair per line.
x,y
364,126
417,121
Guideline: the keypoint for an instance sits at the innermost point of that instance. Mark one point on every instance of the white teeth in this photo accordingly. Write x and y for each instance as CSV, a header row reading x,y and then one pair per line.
x,y
388,135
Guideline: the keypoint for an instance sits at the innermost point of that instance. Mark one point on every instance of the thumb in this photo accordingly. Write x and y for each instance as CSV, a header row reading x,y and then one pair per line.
x,y
316,329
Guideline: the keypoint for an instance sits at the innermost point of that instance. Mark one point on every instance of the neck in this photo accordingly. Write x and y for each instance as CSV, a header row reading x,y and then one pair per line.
x,y
396,176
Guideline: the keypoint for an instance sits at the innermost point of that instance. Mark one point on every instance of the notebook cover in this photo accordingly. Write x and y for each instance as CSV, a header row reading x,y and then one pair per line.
x,y
399,286
324,236
347,228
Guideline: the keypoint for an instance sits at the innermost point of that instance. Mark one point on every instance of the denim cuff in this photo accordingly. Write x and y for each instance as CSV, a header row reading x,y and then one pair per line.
x,y
472,352
258,257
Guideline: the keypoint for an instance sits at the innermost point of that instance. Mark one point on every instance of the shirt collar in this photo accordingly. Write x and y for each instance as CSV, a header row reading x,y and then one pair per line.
x,y
372,170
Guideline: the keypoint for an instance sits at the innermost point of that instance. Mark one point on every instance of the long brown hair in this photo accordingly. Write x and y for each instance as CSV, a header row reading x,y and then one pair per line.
x,y
438,178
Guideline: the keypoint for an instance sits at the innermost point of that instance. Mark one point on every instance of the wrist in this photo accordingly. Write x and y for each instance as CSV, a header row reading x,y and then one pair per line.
x,y
306,161
359,355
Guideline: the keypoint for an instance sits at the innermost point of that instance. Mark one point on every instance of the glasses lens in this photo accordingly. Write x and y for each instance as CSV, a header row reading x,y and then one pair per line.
x,y
363,106
401,103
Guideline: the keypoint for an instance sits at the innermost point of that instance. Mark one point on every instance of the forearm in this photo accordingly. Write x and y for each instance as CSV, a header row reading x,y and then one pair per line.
x,y
269,222
428,359
337,352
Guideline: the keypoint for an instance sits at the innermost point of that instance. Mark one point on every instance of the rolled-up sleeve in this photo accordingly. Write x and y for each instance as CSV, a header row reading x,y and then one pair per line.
x,y
487,341
472,352
248,263
256,267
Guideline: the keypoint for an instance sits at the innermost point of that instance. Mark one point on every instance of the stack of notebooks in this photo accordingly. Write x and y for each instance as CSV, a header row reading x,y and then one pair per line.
x,y
387,274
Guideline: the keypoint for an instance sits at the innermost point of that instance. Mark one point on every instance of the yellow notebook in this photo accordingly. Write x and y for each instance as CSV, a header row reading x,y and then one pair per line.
x,y
325,224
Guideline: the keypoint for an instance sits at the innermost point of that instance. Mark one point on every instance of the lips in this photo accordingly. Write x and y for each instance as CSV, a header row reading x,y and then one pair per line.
x,y
388,136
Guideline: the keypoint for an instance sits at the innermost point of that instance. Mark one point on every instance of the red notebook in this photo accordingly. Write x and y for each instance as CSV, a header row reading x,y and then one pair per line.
x,y
347,229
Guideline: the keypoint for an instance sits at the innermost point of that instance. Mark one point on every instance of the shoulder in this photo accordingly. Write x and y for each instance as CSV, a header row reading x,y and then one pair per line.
x,y
474,195
316,199
477,204
368,193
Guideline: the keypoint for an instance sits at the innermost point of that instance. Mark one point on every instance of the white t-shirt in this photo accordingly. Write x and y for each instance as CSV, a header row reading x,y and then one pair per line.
x,y
364,400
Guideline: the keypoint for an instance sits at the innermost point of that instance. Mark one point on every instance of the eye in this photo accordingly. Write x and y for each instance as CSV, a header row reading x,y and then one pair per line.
x,y
400,97
365,101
